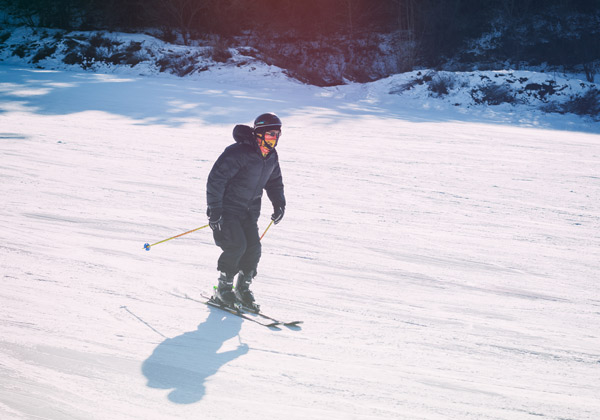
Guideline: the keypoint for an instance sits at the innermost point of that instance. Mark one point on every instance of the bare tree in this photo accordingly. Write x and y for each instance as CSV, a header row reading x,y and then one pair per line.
x,y
515,8
180,14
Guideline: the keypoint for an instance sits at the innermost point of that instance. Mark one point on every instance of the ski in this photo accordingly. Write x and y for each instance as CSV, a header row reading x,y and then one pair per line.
x,y
262,315
286,323
212,303
215,304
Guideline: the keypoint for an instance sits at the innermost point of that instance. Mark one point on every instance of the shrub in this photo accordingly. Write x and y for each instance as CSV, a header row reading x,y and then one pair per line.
x,y
21,51
44,52
587,104
118,58
179,64
441,85
219,51
91,54
419,80
543,90
493,94
4,36
98,41
73,58
168,35
133,60
133,47
400,89
70,43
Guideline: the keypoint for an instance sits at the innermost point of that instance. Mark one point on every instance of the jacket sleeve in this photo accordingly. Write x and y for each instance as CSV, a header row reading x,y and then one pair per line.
x,y
225,168
274,188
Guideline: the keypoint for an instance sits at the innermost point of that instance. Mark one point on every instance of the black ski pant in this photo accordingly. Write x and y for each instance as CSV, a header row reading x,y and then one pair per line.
x,y
240,243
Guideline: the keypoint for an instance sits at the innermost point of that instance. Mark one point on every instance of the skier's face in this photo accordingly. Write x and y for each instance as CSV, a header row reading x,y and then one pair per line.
x,y
271,138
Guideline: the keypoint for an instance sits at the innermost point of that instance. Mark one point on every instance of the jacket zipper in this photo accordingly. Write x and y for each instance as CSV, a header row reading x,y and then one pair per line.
x,y
262,171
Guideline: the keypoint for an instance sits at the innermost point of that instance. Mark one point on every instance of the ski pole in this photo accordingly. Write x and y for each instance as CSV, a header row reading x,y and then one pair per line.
x,y
266,229
147,245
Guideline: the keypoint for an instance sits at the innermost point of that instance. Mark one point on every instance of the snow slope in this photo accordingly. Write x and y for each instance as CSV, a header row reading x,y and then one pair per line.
x,y
445,263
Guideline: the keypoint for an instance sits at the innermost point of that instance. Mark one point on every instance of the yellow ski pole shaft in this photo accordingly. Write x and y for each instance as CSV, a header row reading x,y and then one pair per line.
x,y
266,230
147,246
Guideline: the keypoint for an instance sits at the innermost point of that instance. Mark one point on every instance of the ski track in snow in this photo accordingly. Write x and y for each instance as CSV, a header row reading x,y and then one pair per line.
x,y
445,266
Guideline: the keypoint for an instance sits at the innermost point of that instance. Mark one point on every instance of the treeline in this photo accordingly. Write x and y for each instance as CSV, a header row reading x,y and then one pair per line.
x,y
305,18
438,26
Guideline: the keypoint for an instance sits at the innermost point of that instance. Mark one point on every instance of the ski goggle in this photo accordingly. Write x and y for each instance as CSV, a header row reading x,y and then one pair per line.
x,y
272,136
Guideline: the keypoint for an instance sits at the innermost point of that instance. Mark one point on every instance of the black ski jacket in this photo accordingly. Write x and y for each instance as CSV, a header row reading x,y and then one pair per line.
x,y
236,182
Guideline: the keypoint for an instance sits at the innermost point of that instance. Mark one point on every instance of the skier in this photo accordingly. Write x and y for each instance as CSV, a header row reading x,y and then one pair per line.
x,y
233,193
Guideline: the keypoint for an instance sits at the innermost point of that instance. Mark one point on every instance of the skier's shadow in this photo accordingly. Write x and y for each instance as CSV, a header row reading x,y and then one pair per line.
x,y
184,363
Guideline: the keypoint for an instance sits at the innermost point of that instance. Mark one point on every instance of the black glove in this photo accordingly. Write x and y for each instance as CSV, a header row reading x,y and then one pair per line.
x,y
278,212
215,218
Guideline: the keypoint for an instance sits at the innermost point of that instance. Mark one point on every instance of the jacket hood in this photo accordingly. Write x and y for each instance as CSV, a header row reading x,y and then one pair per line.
x,y
244,134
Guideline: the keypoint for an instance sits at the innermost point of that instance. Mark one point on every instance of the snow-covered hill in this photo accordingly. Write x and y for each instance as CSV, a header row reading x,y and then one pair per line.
x,y
444,259
507,91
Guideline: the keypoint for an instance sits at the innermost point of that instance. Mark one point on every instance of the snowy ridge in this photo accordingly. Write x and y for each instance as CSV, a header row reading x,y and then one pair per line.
x,y
444,260
505,91
120,53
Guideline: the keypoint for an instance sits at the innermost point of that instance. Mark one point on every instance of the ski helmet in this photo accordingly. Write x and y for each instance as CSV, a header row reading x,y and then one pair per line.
x,y
268,120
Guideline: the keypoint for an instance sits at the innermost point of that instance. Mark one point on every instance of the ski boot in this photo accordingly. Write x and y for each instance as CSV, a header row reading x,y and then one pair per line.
x,y
243,294
224,291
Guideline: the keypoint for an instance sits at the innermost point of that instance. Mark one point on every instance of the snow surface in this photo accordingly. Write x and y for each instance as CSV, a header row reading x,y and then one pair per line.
x,y
444,260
